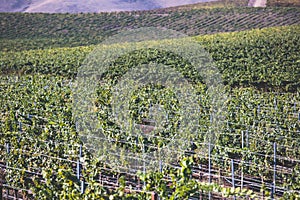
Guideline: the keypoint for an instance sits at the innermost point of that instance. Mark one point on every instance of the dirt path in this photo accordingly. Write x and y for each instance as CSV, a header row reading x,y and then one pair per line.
x,y
257,3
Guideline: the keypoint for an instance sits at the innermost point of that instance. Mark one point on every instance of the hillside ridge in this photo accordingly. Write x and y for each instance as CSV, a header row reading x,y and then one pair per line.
x,y
77,6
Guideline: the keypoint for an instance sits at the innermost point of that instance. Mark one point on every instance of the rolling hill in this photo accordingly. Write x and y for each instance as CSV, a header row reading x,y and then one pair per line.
x,y
77,6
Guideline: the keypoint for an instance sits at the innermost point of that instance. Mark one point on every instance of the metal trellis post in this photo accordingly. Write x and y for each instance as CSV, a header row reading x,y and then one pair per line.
x,y
144,164
209,167
274,173
247,138
242,139
232,176
160,166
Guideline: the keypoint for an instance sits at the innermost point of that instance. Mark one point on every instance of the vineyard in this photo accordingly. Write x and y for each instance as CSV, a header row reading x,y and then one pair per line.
x,y
211,4
244,147
252,56
289,3
23,31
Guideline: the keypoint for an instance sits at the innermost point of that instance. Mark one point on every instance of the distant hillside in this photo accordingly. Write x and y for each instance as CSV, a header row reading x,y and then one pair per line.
x,y
96,6
284,3
34,31
14,5
77,6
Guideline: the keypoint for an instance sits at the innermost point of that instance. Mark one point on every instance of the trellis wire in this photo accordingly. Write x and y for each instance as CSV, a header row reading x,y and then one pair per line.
x,y
274,188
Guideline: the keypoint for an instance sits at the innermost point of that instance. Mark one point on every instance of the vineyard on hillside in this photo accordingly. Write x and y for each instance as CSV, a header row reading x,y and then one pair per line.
x,y
255,153
244,145
40,148
252,56
23,31
290,3
211,4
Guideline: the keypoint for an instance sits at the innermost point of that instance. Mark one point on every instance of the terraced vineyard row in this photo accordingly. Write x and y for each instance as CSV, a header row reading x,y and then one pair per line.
x,y
265,58
244,145
34,31
39,141
212,4
278,3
